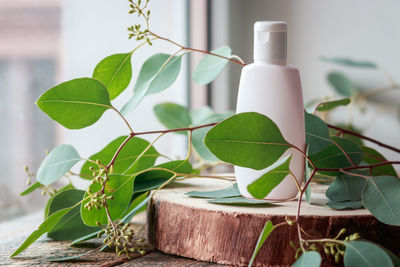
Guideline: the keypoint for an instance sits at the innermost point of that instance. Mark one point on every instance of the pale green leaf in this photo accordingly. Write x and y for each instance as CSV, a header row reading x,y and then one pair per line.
x,y
381,197
350,62
115,72
341,84
345,205
77,103
274,175
60,160
210,66
308,259
345,187
366,254
173,116
200,114
231,191
247,139
266,231
156,75
241,201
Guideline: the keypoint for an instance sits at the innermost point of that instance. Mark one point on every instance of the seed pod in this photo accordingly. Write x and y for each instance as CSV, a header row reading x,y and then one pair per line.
x,y
327,252
337,257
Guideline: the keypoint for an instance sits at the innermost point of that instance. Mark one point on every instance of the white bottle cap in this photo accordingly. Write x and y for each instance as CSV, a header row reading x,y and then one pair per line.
x,y
270,41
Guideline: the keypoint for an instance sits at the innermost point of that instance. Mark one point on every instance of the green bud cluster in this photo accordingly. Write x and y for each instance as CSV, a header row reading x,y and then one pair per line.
x,y
337,250
121,236
136,31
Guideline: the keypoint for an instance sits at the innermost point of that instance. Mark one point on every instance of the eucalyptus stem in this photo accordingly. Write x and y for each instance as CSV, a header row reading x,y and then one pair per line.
x,y
178,129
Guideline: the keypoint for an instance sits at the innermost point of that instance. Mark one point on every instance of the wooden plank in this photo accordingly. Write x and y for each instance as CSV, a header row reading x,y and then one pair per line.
x,y
194,228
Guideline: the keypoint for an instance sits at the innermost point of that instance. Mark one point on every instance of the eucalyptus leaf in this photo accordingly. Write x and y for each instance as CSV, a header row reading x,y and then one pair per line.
x,y
126,161
350,62
47,225
157,74
381,197
247,139
153,179
118,186
115,72
231,191
362,253
346,188
240,201
341,84
75,104
211,66
173,116
274,175
307,176
71,225
128,217
199,134
85,238
56,164
329,105
266,231
308,259
30,189
317,133
357,140
201,114
371,156
333,157
345,205
137,198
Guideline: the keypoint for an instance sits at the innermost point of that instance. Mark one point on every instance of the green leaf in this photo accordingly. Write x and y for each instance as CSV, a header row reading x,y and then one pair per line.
x,y
128,217
125,159
346,187
75,104
367,254
345,205
381,197
152,179
30,189
341,84
118,186
211,66
247,139
371,156
274,175
329,105
239,201
173,116
308,259
333,157
71,225
199,134
46,226
266,231
137,198
201,114
349,62
307,176
115,72
231,191
60,160
155,76
317,133
85,238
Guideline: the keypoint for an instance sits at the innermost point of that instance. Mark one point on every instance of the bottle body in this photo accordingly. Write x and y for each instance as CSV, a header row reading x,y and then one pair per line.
x,y
274,91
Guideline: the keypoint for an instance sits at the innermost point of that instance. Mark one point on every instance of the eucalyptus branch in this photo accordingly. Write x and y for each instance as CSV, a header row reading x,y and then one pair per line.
x,y
119,150
178,129
124,119
342,130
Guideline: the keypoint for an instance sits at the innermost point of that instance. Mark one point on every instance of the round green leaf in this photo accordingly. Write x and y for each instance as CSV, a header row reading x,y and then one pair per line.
x,y
346,187
118,186
173,116
60,160
125,161
155,76
381,197
308,259
341,84
317,133
371,156
247,139
71,225
274,175
366,254
75,104
210,66
345,205
115,72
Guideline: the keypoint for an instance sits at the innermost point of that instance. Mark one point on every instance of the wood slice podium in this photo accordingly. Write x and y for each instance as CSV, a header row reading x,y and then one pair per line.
x,y
227,234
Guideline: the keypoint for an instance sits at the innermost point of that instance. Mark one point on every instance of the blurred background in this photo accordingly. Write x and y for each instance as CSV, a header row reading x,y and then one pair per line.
x,y
44,42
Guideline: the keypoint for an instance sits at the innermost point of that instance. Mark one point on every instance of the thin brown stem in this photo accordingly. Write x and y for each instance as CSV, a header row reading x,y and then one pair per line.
x,y
364,137
119,150
178,129
344,152
359,167
304,154
122,116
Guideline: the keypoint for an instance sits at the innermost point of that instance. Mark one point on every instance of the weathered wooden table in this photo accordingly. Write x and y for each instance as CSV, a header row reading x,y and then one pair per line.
x,y
13,233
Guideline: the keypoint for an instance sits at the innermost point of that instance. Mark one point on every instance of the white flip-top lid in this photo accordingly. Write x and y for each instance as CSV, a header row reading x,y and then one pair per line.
x,y
270,42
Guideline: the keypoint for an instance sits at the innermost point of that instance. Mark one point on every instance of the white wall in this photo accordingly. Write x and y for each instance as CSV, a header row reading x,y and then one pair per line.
x,y
96,29
359,29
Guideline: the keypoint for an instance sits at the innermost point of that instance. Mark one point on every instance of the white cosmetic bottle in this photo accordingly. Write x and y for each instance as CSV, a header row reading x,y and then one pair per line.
x,y
271,87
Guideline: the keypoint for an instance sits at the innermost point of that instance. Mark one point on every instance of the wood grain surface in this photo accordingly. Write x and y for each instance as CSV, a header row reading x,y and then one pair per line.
x,y
192,227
